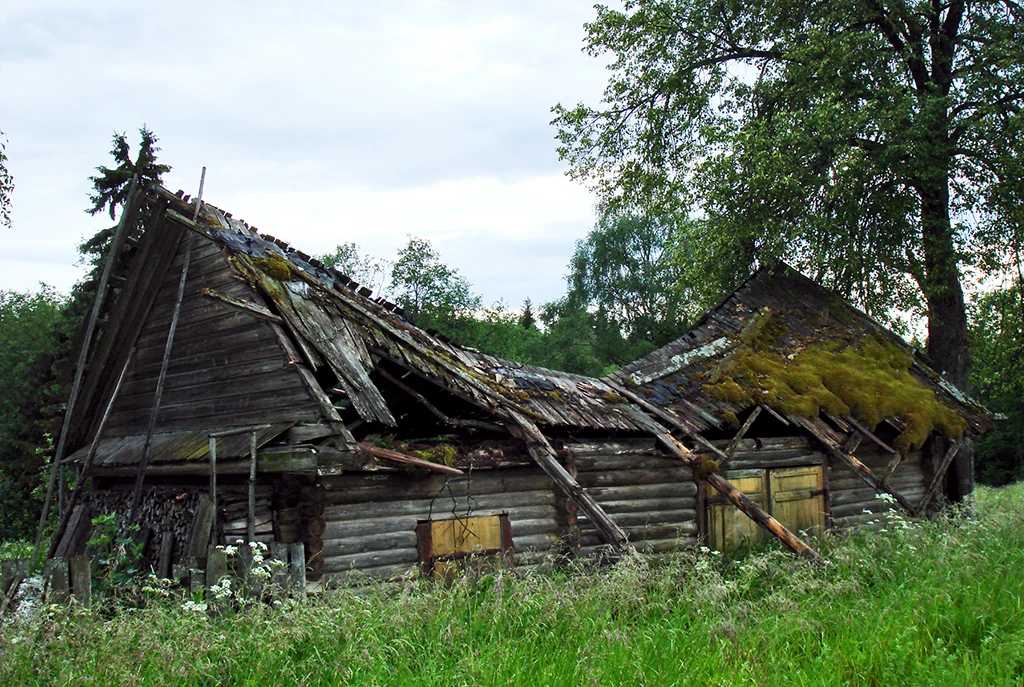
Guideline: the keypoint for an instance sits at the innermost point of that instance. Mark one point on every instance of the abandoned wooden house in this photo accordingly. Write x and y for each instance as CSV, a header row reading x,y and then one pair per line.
x,y
237,388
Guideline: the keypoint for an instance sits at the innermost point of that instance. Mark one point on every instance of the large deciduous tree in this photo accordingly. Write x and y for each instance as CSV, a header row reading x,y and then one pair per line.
x,y
626,268
875,143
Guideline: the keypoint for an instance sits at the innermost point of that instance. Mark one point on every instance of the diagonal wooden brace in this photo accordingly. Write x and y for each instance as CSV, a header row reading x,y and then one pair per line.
x,y
824,435
947,460
544,454
722,486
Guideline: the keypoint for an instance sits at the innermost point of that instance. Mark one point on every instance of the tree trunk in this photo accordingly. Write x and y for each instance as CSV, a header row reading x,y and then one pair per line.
x,y
948,346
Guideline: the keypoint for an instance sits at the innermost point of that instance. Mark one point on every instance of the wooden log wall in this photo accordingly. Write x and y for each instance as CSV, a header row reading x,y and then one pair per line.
x,y
649,495
370,519
227,367
851,497
233,512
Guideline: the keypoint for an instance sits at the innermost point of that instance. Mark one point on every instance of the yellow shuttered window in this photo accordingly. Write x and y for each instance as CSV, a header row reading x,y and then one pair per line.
x,y
446,546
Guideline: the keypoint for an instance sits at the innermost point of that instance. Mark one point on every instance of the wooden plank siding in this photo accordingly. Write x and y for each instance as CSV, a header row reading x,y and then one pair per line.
x,y
371,519
227,368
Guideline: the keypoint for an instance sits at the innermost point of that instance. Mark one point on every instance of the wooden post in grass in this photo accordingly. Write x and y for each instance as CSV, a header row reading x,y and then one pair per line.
x,y
57,584
81,580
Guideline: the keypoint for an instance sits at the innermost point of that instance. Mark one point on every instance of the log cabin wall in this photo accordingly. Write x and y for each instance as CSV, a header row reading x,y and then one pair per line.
x,y
851,497
370,519
651,496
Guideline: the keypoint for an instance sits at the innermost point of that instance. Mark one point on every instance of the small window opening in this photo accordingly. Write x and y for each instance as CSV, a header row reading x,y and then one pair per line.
x,y
447,547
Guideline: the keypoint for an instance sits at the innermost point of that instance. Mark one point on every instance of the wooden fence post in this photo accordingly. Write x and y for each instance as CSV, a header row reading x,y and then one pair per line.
x,y
81,580
57,585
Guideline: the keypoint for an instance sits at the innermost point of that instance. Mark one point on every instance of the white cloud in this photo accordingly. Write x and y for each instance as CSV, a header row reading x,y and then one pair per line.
x,y
424,118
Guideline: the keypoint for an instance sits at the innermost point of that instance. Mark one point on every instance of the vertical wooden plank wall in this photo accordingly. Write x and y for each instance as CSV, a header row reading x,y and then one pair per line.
x,y
227,367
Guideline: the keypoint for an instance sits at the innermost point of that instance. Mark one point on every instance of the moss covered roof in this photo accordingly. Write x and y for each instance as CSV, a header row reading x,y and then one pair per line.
x,y
783,341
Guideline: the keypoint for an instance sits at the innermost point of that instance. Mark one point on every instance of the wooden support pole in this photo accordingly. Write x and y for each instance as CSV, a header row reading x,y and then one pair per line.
x,y
545,455
825,435
213,472
722,486
250,521
947,460
90,456
163,566
116,244
297,568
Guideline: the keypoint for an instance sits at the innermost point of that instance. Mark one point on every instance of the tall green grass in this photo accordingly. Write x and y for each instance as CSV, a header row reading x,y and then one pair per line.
x,y
919,603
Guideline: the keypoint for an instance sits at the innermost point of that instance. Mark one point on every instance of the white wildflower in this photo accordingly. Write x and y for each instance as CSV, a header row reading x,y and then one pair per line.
x,y
193,607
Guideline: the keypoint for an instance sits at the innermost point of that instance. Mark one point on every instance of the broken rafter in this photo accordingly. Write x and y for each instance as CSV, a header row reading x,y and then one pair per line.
x,y
542,452
699,465
730,450
662,415
947,460
871,435
830,442
254,309
455,422
388,454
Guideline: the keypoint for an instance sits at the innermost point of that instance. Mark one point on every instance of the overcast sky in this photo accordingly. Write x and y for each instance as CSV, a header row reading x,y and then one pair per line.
x,y
338,121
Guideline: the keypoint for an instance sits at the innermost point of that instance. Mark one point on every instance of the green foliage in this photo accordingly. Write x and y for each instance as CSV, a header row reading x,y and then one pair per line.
x,y
935,603
6,184
32,328
626,268
874,145
431,293
116,553
997,339
110,186
365,269
527,320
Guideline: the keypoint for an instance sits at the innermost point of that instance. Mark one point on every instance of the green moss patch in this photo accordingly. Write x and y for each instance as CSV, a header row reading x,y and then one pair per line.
x,y
868,379
276,266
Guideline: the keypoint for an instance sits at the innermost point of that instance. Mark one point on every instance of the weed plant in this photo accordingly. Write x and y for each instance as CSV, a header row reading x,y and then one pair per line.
x,y
916,603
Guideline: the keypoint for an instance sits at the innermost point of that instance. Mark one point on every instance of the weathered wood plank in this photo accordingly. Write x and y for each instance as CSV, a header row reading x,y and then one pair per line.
x,y
202,522
81,580
444,504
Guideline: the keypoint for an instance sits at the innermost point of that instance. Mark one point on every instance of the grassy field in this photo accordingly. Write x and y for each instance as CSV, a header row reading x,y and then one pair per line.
x,y
935,603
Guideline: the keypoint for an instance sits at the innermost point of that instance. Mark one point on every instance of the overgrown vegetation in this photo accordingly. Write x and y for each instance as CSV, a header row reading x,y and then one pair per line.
x,y
917,603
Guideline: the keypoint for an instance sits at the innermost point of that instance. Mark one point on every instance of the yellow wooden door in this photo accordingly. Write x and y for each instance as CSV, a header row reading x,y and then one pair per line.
x,y
798,499
727,526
